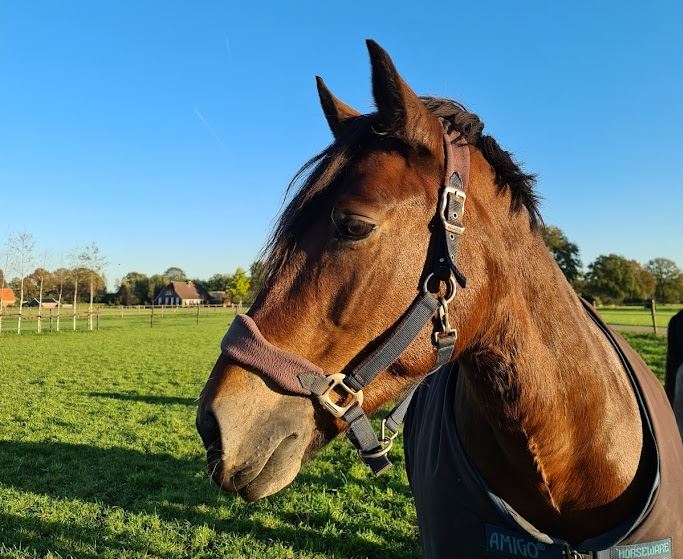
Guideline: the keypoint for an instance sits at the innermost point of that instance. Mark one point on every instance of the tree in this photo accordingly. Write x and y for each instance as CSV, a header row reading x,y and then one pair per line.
x,y
125,293
645,282
75,275
21,246
93,261
668,278
257,270
175,274
566,253
135,289
3,279
217,282
59,275
239,286
611,278
39,276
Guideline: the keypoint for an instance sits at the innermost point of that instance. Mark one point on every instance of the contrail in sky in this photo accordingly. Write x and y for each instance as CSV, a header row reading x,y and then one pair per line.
x,y
208,127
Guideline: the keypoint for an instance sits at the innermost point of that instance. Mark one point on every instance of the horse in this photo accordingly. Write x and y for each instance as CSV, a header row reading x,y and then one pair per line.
x,y
376,276
674,366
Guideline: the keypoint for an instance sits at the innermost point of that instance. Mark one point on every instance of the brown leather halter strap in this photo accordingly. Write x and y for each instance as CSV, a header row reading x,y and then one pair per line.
x,y
342,394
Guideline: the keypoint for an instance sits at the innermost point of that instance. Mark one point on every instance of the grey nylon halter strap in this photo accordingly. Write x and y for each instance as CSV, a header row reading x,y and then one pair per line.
x,y
245,344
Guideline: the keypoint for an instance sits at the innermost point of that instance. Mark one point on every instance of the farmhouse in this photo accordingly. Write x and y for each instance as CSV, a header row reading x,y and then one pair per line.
x,y
48,303
7,298
183,293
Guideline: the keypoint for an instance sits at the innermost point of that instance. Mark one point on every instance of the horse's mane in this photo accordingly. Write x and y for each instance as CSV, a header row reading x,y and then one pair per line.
x,y
320,173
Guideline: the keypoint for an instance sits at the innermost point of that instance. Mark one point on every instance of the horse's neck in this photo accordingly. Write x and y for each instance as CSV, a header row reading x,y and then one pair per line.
x,y
549,415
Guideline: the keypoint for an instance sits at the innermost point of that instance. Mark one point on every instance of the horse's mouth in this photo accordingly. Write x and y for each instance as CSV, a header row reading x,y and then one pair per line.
x,y
263,476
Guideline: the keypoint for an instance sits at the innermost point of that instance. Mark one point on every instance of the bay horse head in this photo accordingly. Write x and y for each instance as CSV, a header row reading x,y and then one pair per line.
x,y
346,260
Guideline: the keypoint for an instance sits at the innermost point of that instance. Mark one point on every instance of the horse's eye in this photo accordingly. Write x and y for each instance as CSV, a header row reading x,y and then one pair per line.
x,y
354,228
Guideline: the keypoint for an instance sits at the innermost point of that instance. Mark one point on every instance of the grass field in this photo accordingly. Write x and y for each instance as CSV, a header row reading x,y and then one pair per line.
x,y
106,318
639,316
99,458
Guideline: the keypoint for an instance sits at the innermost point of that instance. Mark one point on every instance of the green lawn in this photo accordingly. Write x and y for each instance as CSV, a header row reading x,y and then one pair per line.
x,y
638,316
99,458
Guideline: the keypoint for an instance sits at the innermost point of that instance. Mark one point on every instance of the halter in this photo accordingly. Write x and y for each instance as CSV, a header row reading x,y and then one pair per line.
x,y
342,394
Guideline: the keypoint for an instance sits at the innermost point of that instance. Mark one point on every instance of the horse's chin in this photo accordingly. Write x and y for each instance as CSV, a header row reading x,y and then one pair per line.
x,y
266,474
262,486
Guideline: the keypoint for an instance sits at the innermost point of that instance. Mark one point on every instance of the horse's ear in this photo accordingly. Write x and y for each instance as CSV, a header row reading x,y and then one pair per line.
x,y
400,111
336,111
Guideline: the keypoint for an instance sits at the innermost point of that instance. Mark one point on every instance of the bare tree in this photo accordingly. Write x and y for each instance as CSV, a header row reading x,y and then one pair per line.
x,y
22,245
4,281
92,259
74,258
60,277
41,272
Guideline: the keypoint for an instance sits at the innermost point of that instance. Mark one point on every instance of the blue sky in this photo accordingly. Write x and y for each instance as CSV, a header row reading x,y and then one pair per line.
x,y
167,132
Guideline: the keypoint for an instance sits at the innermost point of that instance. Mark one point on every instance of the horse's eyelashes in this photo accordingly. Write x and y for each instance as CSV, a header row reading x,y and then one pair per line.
x,y
353,228
357,228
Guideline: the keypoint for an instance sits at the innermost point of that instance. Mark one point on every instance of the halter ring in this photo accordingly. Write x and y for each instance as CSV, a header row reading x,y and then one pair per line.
x,y
386,440
450,290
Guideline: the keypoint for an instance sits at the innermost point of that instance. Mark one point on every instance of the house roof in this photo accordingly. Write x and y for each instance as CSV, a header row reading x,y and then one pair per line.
x,y
186,290
46,301
6,294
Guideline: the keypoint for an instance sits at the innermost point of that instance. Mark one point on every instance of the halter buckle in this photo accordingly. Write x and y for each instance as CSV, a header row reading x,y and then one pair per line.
x,y
450,190
335,380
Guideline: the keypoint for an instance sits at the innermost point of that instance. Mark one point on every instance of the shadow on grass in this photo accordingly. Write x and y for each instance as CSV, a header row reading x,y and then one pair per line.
x,y
176,490
125,396
29,533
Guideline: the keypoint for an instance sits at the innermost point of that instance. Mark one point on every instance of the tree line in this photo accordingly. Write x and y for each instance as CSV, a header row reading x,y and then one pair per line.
x,y
609,279
615,279
82,280
136,288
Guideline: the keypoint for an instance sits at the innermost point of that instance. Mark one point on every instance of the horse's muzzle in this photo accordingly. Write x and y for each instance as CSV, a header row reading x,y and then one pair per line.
x,y
255,436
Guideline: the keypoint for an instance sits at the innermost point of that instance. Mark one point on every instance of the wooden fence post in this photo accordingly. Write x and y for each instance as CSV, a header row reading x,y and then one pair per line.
x,y
198,315
97,316
50,319
151,318
653,311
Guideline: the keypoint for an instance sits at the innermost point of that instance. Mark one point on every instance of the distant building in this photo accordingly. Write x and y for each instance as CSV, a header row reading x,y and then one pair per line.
x,y
181,293
218,298
48,303
7,298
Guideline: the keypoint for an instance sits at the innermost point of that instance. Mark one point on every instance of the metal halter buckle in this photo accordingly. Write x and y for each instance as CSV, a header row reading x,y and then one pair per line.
x,y
337,379
443,208
387,442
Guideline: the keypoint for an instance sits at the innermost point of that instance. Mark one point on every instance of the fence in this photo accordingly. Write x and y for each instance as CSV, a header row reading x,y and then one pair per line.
x,y
65,318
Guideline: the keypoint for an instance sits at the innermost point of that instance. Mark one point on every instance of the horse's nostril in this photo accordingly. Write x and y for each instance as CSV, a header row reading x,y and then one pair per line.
x,y
207,425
